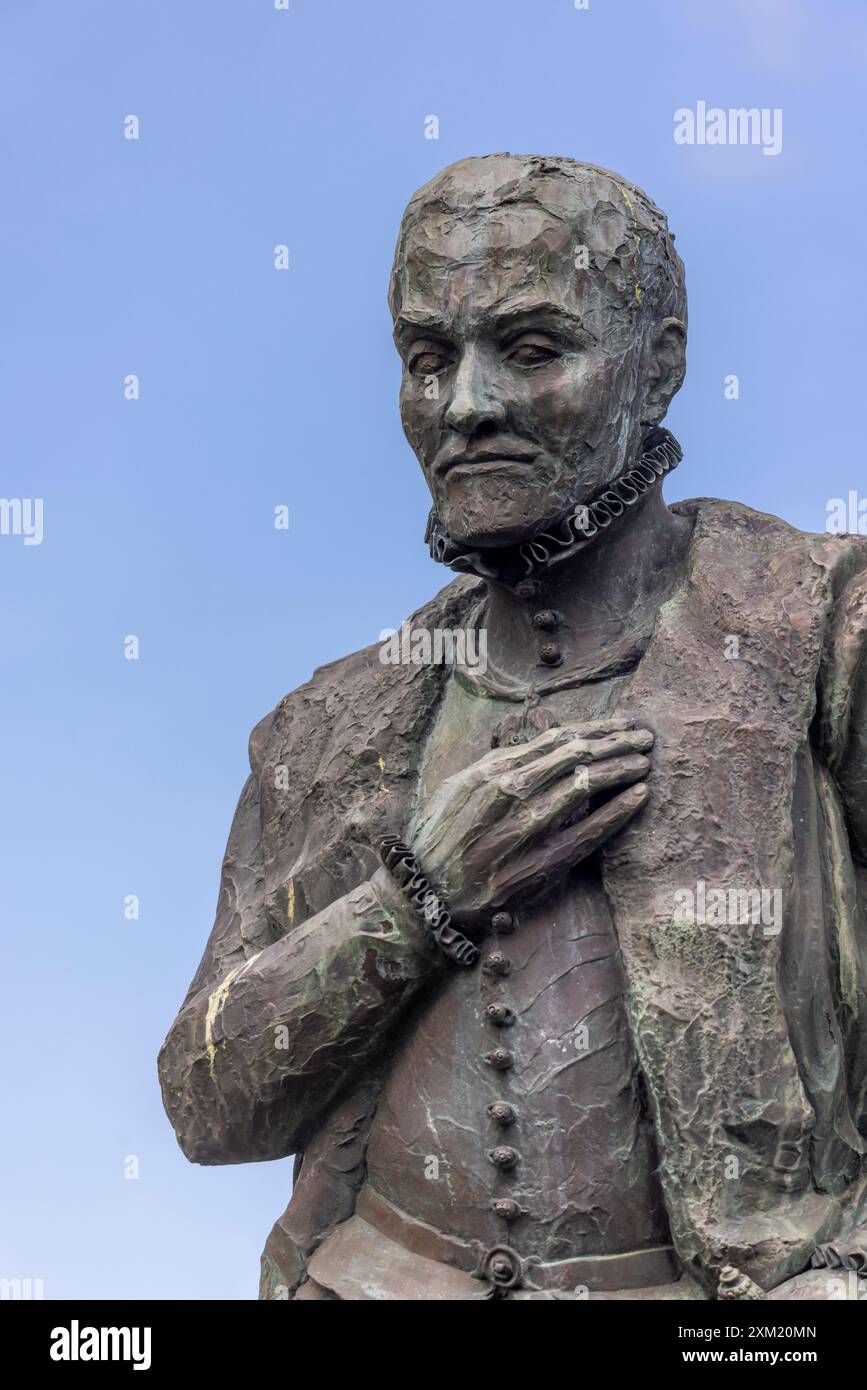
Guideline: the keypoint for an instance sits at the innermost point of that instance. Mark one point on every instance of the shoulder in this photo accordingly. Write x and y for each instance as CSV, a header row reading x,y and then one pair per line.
x,y
805,590
715,515
351,690
728,535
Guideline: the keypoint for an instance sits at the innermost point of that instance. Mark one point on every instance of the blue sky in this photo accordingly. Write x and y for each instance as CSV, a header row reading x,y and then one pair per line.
x,y
260,388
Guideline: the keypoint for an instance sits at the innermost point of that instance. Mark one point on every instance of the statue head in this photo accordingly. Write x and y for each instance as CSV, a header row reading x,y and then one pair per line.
x,y
540,312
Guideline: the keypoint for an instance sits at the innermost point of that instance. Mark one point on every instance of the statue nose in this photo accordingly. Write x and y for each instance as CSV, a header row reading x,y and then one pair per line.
x,y
475,404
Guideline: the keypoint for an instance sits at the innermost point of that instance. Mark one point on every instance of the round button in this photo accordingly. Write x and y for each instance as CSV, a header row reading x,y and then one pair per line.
x,y
497,964
503,923
503,1267
546,619
501,1113
506,1209
551,654
503,1157
500,1059
528,588
500,1015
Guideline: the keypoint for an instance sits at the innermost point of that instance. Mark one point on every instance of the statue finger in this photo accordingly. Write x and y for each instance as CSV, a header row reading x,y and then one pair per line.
x,y
522,754
555,803
532,777
608,819
615,745
538,869
612,772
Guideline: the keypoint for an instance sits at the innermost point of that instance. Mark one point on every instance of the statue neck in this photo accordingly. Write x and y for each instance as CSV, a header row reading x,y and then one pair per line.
x,y
581,606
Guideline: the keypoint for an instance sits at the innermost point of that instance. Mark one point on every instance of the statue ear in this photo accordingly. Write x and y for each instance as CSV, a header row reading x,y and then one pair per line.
x,y
665,369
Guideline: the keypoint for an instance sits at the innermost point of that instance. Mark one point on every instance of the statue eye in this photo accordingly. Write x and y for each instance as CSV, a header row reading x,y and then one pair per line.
x,y
428,363
532,352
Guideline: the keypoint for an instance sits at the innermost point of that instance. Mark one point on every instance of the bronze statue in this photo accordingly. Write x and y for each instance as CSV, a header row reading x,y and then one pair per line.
x,y
551,969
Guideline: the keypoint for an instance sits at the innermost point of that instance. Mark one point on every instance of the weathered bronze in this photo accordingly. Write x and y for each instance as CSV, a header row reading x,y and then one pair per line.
x,y
597,1024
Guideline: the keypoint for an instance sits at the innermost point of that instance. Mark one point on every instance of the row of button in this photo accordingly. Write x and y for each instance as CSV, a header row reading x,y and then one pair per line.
x,y
545,620
503,1157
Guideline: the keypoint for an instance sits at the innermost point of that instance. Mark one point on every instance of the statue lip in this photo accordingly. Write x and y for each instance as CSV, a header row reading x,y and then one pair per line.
x,y
479,457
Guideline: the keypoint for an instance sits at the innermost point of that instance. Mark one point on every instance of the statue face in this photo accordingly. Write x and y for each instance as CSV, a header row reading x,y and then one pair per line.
x,y
522,390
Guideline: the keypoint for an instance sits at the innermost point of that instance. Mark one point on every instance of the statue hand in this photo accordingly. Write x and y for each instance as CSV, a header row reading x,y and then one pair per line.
x,y
513,823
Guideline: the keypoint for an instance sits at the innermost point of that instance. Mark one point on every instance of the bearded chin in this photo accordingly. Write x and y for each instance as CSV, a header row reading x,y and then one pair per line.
x,y
503,512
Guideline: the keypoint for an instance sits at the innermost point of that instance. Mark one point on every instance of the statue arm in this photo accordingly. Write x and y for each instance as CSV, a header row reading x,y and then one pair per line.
x,y
271,1029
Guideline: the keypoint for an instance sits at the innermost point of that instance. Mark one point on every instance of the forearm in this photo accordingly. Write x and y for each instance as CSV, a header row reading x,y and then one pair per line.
x,y
250,1064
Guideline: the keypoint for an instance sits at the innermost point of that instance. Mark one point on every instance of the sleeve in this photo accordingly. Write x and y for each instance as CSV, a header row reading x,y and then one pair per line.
x,y
271,1030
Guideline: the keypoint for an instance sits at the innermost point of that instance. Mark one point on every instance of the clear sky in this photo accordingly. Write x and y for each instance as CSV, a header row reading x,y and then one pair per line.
x,y
261,387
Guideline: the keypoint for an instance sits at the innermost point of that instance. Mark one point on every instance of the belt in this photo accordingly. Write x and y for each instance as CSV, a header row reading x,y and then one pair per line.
x,y
504,1269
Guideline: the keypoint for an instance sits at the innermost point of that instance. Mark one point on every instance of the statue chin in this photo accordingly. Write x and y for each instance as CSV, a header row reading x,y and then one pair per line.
x,y
501,510
494,533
